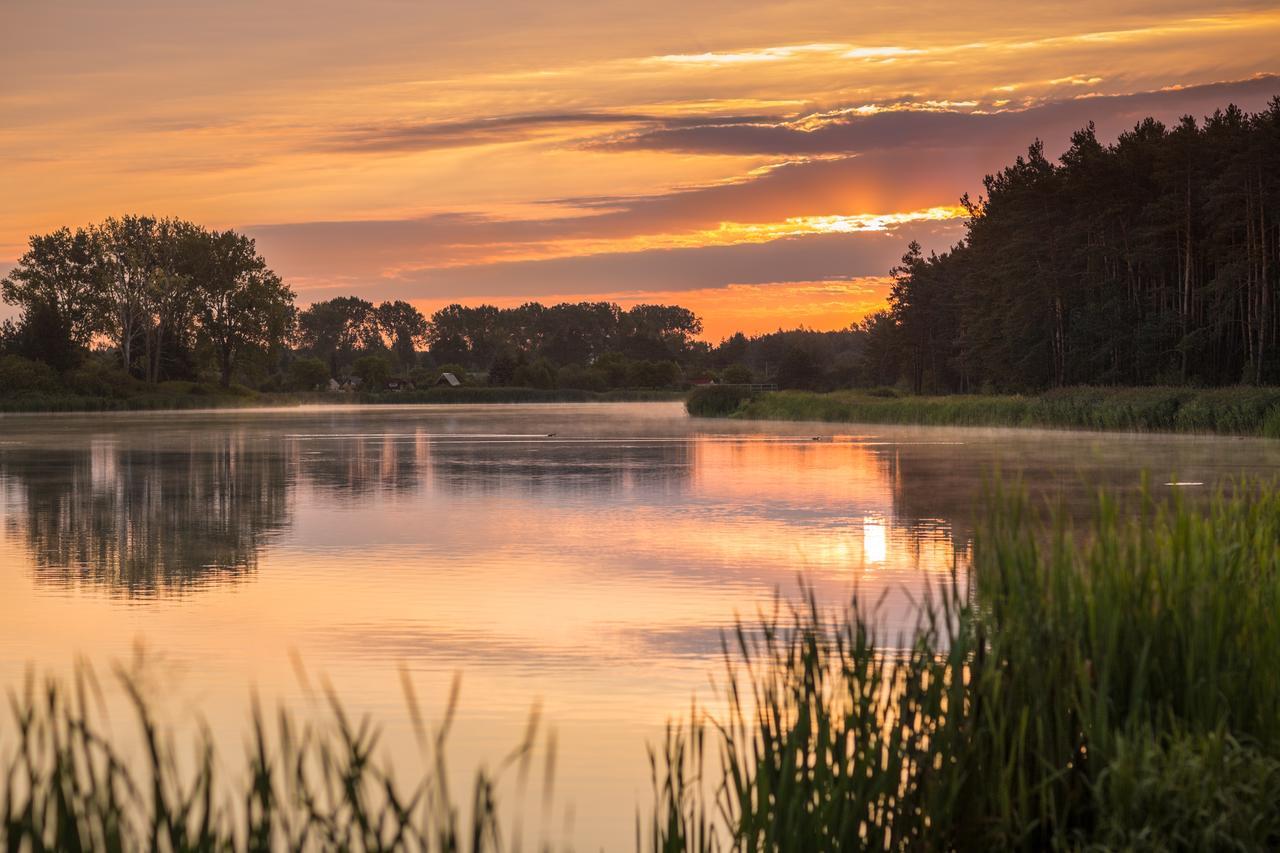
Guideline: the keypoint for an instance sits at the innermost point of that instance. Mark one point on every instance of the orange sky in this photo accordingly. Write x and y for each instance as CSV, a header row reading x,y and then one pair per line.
x,y
762,162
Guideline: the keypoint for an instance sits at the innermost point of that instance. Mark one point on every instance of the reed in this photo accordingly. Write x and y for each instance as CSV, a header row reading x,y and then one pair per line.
x,y
67,786
1228,411
1111,688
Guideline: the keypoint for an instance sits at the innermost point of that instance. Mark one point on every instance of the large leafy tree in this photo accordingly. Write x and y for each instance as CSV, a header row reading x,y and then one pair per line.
x,y
336,329
242,304
56,287
404,328
127,252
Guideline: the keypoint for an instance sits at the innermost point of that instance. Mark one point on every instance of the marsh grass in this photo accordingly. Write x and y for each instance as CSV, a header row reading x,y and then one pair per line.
x,y
67,785
1111,688
1228,411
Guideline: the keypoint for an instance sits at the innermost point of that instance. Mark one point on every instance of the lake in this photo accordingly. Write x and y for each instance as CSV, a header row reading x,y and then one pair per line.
x,y
582,557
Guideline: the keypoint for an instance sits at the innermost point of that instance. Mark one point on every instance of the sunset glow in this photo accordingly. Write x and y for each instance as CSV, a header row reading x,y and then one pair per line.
x,y
750,160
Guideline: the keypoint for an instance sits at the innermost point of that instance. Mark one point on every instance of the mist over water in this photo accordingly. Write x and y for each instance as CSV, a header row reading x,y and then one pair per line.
x,y
584,556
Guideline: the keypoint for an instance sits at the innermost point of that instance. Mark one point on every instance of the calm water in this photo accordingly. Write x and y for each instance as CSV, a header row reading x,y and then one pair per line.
x,y
584,557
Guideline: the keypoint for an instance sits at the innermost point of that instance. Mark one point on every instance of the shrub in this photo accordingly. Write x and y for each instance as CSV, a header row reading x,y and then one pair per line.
x,y
582,378
717,401
307,374
373,371
20,375
536,374
95,377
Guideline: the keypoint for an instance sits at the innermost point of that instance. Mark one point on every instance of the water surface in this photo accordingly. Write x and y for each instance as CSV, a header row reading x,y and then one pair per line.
x,y
583,556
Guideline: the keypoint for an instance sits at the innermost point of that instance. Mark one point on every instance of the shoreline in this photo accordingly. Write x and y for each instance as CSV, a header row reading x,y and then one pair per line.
x,y
223,400
1233,411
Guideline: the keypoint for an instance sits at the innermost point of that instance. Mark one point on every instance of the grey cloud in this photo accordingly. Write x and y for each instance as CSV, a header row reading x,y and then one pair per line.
x,y
805,258
876,183
424,136
920,128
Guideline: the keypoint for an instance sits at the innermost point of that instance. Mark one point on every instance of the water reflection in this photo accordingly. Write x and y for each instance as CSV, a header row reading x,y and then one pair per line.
x,y
350,467
546,467
149,519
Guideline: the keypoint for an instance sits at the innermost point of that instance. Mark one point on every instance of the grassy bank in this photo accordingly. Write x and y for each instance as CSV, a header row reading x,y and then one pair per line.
x,y
1228,411
1112,688
179,396
1106,692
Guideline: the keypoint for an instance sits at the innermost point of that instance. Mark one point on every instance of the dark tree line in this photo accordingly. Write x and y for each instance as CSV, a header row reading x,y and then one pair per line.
x,y
165,299
1153,260
568,333
588,345
795,358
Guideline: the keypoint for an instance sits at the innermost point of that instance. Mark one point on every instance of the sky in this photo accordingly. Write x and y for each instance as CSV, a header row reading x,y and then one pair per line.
x,y
763,163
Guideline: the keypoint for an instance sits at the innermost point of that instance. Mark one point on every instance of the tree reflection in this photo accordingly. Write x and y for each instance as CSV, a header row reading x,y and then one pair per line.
x,y
147,520
353,467
549,467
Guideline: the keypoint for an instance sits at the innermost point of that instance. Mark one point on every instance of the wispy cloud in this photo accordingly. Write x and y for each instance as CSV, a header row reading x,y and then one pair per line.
x,y
932,124
426,136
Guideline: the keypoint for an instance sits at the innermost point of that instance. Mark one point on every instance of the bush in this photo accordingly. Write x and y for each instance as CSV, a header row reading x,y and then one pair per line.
x,y
424,377
653,374
95,377
717,401
20,375
373,371
737,374
308,374
504,367
537,374
582,378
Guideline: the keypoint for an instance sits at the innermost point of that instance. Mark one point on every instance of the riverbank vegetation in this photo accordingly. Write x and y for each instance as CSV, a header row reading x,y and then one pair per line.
x,y
1226,411
178,395
1104,688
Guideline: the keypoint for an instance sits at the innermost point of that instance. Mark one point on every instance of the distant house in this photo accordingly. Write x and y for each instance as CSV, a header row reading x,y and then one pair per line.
x,y
400,385
448,379
702,381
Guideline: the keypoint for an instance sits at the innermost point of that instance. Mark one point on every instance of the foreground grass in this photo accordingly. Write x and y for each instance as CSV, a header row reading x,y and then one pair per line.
x,y
1112,688
1115,691
1228,411
67,786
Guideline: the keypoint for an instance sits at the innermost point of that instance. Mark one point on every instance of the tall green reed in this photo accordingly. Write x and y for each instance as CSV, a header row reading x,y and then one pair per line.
x,y
1112,687
1228,411
67,785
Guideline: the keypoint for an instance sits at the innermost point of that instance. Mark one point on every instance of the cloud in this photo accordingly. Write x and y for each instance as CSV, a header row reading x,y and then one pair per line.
x,y
876,184
427,136
854,130
808,258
